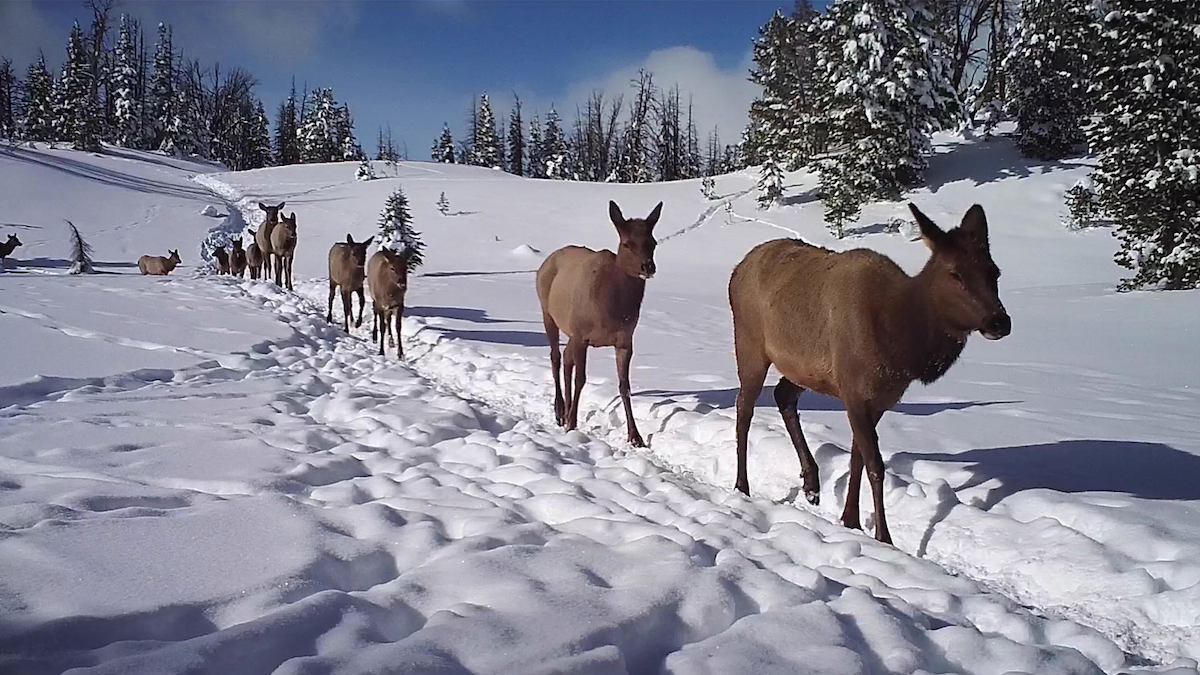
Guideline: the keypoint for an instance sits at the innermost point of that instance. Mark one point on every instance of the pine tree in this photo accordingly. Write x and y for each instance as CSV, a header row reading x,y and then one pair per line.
x,y
886,89
443,148
554,148
634,163
317,132
1047,76
260,137
162,90
1146,136
287,148
81,253
343,135
443,205
364,171
786,115
708,187
396,231
533,147
8,81
127,130
485,143
77,113
516,139
37,123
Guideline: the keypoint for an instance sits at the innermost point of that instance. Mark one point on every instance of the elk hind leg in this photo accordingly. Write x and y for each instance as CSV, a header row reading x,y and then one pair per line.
x,y
787,394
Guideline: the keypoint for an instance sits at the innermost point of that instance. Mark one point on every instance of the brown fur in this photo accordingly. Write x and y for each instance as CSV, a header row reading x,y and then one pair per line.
x,y
263,237
387,275
595,297
158,265
8,247
347,269
222,258
854,326
254,257
283,246
237,258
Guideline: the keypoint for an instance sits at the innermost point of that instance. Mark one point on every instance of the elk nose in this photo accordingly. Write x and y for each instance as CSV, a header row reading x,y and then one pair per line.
x,y
648,269
998,326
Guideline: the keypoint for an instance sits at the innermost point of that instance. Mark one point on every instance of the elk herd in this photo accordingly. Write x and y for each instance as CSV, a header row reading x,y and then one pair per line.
x,y
850,324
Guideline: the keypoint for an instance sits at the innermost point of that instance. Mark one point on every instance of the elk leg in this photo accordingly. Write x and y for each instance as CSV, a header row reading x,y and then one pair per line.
x,y
375,322
332,292
362,301
752,372
399,341
347,309
862,424
278,271
624,356
568,373
288,262
787,393
555,366
580,379
850,517
383,323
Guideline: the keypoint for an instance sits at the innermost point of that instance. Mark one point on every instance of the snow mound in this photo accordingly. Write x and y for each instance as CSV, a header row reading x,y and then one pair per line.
x,y
210,211
525,251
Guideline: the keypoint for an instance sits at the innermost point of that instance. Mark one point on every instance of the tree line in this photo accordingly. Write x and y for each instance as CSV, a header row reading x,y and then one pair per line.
x,y
116,88
855,93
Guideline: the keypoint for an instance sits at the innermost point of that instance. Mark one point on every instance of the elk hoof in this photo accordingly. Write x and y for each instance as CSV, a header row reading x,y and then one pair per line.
x,y
742,486
635,439
851,523
813,497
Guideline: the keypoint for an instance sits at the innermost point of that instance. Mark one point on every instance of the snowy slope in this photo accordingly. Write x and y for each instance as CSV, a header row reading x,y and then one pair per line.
x,y
213,475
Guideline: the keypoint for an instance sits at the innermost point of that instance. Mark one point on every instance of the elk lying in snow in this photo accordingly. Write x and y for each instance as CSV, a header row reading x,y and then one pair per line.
x,y
222,258
283,247
8,247
854,326
347,269
158,265
254,257
595,298
237,258
387,275
263,237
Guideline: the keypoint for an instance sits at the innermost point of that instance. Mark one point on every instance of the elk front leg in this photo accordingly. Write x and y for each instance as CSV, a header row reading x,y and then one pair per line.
x,y
862,424
362,301
787,393
347,310
624,356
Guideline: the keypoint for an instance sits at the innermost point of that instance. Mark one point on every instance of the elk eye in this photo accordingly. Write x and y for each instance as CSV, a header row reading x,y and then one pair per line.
x,y
956,276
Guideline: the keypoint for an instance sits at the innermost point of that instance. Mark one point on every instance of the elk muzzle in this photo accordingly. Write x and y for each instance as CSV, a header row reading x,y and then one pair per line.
x,y
997,326
648,270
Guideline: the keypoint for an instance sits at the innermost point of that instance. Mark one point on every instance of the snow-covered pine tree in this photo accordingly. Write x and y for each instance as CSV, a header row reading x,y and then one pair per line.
x,y
885,89
1082,205
126,116
1047,76
396,231
343,132
317,132
162,89
1146,136
77,113
485,143
501,146
81,253
443,149
516,139
8,85
708,187
554,148
443,204
37,121
770,179
260,137
634,163
287,149
536,166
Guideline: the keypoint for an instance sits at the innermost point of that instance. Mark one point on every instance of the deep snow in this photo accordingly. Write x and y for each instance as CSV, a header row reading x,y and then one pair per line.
x,y
194,469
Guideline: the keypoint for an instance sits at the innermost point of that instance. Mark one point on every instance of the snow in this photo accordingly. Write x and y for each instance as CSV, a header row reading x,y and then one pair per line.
x,y
199,472
210,211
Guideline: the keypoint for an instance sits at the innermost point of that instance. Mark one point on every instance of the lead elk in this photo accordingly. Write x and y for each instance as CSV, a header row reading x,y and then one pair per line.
x,y
283,247
263,237
595,297
8,247
387,275
222,258
347,270
158,265
854,326
254,257
237,258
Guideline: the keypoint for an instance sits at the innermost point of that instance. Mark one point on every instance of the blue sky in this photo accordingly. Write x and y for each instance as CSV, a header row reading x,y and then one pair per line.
x,y
416,64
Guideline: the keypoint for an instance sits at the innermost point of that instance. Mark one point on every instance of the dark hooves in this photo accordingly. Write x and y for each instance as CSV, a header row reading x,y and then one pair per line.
x,y
637,442
813,498
743,488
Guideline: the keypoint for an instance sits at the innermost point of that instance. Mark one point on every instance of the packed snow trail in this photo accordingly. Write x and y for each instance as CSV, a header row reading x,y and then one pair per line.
x,y
309,505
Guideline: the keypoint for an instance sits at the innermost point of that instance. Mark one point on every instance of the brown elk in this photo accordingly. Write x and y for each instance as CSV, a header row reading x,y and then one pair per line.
x,y
222,258
854,326
387,275
283,247
595,297
237,258
254,257
347,269
158,265
263,237
8,247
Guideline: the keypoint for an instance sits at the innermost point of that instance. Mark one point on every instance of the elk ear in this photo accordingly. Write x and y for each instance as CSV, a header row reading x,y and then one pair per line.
x,y
931,234
368,241
263,206
614,214
974,225
652,219
349,238
280,207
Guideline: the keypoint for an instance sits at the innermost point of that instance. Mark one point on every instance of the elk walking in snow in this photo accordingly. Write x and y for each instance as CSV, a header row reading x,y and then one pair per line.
x,y
854,326
283,247
237,258
595,297
158,265
387,275
254,257
263,237
222,258
347,269
8,247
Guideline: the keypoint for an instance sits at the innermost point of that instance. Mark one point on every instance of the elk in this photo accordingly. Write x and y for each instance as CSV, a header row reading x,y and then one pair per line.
x,y
283,246
158,265
8,247
387,275
254,257
347,269
263,237
237,258
222,258
854,326
595,297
